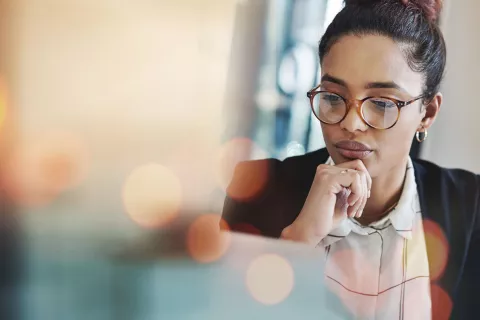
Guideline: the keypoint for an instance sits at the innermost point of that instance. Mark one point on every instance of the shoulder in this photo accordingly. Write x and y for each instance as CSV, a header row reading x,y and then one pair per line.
x,y
429,173
271,171
449,197
266,195
307,161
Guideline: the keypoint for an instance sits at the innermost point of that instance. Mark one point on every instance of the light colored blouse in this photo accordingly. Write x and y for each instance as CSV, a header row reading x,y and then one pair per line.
x,y
381,271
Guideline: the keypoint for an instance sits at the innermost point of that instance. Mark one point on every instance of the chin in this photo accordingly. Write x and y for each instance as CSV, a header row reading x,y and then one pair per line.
x,y
368,161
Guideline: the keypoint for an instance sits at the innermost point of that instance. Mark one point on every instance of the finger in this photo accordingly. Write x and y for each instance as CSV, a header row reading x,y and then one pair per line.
x,y
357,188
365,196
357,208
349,179
368,179
362,199
359,166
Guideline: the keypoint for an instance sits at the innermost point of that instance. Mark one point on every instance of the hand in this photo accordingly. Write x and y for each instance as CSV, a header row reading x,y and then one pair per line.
x,y
336,192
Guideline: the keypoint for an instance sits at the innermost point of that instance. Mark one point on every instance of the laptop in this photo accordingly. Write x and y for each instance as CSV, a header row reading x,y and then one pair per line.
x,y
255,278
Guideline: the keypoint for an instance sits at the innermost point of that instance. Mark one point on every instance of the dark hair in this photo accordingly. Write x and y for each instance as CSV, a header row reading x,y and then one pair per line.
x,y
413,24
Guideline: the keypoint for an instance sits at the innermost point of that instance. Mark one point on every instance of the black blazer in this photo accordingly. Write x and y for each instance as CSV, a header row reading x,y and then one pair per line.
x,y
448,197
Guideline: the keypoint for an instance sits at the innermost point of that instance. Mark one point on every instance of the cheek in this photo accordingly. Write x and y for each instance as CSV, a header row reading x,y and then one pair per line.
x,y
396,142
329,131
393,146
398,139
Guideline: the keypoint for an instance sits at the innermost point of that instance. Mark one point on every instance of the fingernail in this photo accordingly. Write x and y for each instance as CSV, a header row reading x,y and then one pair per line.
x,y
361,212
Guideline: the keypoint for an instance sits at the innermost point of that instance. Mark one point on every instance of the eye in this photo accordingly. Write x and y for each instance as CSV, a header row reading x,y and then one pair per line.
x,y
382,103
332,98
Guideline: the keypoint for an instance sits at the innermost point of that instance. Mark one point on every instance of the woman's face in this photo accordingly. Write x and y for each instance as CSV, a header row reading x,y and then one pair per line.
x,y
359,67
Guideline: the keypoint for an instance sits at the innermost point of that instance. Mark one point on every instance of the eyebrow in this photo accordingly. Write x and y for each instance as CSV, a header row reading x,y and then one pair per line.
x,y
329,78
371,85
384,85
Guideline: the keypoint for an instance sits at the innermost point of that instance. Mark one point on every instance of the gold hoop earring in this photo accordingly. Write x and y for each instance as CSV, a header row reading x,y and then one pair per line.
x,y
425,135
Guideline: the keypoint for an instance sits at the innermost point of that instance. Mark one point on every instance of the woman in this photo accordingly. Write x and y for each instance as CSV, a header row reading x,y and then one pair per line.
x,y
401,236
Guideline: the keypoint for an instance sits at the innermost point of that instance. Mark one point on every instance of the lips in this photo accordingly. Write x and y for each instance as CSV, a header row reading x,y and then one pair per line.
x,y
353,150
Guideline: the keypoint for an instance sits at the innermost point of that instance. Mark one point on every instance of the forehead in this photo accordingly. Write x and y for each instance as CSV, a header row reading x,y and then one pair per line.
x,y
359,60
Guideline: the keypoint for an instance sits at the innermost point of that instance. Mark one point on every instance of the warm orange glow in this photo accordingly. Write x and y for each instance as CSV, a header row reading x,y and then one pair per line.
x,y
251,182
270,279
43,167
3,102
230,154
441,303
437,246
192,164
206,242
152,195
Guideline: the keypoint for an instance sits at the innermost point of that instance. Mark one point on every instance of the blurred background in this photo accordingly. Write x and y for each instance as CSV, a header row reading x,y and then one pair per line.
x,y
119,116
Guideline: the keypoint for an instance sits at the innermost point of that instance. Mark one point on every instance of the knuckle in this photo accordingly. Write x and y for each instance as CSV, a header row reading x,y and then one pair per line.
x,y
322,173
322,168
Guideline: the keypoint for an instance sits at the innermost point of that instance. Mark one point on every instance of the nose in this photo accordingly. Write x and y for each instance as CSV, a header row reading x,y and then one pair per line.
x,y
353,120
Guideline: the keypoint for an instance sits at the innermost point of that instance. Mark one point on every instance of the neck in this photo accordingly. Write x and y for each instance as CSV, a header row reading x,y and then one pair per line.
x,y
385,193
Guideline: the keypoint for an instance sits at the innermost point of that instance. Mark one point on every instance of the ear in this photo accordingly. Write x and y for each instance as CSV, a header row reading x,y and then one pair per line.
x,y
431,111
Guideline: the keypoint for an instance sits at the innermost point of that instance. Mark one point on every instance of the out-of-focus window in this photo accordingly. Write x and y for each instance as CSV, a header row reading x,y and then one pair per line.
x,y
284,125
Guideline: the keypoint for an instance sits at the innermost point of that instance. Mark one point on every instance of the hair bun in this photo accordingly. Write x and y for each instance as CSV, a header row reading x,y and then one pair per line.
x,y
430,8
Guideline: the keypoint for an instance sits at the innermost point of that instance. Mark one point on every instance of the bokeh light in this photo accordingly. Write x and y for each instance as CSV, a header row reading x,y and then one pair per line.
x,y
269,99
251,182
441,303
294,148
152,195
206,242
41,168
437,247
191,162
270,279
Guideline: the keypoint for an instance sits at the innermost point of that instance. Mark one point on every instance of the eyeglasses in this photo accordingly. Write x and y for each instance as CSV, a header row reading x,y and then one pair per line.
x,y
377,112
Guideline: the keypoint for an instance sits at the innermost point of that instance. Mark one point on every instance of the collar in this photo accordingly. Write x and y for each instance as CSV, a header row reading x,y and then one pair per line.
x,y
401,217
